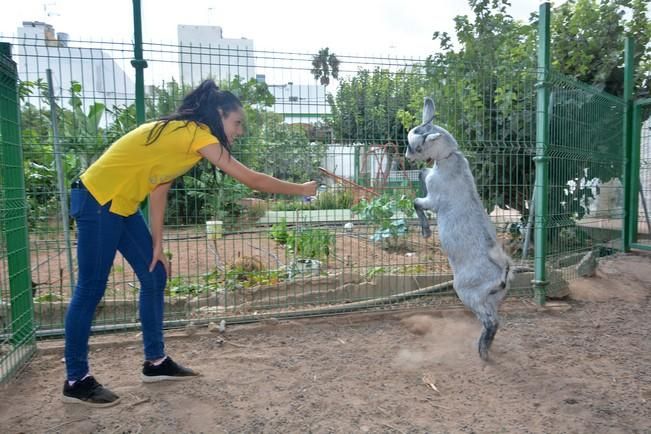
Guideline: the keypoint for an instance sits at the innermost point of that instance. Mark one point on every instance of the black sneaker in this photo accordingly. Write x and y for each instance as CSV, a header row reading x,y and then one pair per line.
x,y
89,392
168,370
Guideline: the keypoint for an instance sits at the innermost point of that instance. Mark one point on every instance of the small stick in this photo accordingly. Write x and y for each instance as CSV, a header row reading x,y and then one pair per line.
x,y
66,423
142,401
393,428
236,345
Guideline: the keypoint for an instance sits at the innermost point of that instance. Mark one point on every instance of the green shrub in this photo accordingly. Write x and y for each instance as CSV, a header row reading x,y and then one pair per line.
x,y
279,232
381,213
310,243
339,199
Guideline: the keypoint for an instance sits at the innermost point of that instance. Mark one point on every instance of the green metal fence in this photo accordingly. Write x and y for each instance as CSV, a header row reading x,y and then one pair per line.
x,y
17,331
356,245
641,176
545,151
585,192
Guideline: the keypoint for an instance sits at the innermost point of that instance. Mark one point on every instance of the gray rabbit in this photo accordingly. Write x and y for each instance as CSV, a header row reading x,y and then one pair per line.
x,y
482,270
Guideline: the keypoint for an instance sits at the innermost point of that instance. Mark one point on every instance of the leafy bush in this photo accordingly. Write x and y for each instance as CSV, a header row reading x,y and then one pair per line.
x,y
279,232
381,212
249,271
293,205
310,243
338,199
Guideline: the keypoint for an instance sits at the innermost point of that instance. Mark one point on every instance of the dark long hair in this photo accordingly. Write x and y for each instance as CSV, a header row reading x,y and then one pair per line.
x,y
202,105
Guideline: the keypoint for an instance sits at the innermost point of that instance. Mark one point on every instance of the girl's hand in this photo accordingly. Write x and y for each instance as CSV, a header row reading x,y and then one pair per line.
x,y
310,188
160,256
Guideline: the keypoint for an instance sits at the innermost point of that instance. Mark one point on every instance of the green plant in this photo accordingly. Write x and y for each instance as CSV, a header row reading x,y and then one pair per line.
x,y
325,65
48,298
382,212
310,243
249,271
370,274
218,195
306,243
292,205
279,232
339,199
177,286
256,211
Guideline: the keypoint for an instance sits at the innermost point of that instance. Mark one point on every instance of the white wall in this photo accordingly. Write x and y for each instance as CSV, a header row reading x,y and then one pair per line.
x,y
300,103
340,160
204,53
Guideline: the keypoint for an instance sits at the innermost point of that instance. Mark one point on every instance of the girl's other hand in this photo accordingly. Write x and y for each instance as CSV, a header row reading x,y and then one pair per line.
x,y
160,256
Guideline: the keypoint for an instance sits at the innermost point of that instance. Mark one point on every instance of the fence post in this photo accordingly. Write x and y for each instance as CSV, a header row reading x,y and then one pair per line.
x,y
630,190
542,159
139,64
14,209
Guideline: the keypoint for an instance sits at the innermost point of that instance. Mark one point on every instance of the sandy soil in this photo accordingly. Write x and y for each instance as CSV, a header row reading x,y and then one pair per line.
x,y
578,366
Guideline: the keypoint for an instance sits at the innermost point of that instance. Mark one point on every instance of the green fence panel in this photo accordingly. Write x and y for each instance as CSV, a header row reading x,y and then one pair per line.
x,y
17,335
586,193
641,176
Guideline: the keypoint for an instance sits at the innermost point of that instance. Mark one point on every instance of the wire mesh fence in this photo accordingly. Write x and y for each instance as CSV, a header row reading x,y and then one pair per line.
x,y
238,254
586,194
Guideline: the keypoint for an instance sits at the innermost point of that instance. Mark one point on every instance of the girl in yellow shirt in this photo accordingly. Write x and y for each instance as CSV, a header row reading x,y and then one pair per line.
x,y
105,205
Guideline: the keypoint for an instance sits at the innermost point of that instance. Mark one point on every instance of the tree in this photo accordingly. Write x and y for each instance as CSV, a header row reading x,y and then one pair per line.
x,y
489,80
588,41
325,65
81,139
485,97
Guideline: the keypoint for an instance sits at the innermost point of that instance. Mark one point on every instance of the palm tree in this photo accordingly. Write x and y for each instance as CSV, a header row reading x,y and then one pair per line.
x,y
325,65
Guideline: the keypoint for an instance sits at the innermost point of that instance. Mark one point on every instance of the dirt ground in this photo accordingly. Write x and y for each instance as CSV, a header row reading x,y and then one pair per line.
x,y
578,366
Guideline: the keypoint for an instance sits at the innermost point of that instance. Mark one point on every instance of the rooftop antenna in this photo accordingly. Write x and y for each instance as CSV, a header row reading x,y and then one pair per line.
x,y
49,9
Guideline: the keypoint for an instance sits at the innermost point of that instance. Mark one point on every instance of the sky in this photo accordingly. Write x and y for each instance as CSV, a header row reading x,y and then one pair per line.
x,y
347,27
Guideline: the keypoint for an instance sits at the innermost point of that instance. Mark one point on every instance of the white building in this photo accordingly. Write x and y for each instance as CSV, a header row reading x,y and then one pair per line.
x,y
102,78
205,53
304,103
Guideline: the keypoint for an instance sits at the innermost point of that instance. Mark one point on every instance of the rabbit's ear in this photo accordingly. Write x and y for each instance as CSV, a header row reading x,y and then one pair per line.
x,y
428,111
432,137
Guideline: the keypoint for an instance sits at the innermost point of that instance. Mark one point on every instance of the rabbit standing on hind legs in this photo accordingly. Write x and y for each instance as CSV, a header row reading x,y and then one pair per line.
x,y
482,270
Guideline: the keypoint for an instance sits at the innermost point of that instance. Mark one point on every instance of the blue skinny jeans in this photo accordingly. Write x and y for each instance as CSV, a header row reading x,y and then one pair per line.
x,y
100,233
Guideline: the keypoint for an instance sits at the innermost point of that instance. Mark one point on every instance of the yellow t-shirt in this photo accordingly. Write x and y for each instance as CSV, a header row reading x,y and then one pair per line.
x,y
129,169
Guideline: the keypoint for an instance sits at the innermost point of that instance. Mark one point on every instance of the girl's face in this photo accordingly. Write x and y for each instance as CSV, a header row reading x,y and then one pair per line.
x,y
233,124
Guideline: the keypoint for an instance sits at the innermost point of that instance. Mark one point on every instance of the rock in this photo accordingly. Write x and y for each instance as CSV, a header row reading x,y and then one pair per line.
x,y
212,327
588,264
270,321
190,329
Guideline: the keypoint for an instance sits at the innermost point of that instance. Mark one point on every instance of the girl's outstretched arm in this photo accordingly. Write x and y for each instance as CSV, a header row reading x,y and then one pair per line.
x,y
252,179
